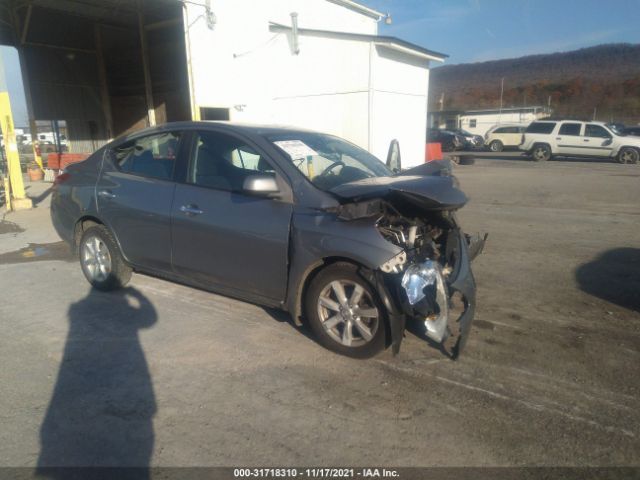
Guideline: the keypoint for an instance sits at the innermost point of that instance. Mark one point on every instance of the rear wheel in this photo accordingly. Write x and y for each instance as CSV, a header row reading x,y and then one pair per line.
x,y
344,313
101,261
629,155
496,146
541,153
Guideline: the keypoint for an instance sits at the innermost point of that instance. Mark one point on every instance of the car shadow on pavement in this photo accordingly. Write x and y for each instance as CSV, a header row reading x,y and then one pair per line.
x,y
102,408
285,317
613,276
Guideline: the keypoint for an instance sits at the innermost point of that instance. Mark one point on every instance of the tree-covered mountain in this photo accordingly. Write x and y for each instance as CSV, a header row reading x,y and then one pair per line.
x,y
604,79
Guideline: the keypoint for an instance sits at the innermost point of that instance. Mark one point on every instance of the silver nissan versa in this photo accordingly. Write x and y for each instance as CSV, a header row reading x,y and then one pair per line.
x,y
285,218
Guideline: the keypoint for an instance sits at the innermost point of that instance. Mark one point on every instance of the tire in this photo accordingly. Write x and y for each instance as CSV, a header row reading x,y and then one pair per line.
x,y
101,260
335,323
629,155
541,152
496,146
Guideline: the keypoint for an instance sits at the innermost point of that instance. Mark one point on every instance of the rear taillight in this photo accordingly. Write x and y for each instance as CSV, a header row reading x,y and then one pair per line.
x,y
63,177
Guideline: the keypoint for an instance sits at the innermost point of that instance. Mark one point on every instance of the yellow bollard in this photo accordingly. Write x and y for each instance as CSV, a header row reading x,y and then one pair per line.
x,y
19,201
7,194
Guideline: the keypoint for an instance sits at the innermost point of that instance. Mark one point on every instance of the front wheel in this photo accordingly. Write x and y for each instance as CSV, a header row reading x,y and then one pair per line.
x,y
101,261
496,146
541,153
344,313
629,155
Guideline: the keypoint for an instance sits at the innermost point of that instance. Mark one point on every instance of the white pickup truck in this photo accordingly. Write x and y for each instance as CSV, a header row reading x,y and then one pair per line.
x,y
543,140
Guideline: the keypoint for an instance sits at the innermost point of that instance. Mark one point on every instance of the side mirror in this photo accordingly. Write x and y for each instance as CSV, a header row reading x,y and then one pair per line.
x,y
261,185
394,162
608,141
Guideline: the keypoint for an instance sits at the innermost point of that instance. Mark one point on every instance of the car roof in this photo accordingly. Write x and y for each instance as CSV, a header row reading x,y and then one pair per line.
x,y
569,120
250,128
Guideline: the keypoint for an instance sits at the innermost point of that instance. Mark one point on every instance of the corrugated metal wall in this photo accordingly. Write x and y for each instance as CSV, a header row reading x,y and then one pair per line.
x,y
60,52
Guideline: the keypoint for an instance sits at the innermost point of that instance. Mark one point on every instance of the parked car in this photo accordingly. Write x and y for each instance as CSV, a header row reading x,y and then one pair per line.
x,y
503,136
633,131
447,139
293,219
570,138
617,127
473,141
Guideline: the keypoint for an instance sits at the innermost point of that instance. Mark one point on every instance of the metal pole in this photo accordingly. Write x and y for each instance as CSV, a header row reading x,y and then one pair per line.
x,y
104,88
151,112
21,42
56,136
501,95
195,111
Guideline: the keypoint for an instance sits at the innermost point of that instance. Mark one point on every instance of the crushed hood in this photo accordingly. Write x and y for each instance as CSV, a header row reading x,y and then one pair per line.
x,y
425,192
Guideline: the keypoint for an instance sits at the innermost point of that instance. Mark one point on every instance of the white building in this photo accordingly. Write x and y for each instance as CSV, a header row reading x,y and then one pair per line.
x,y
108,67
332,73
479,121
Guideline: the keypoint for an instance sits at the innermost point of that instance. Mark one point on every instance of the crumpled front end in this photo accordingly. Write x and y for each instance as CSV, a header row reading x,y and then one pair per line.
x,y
431,279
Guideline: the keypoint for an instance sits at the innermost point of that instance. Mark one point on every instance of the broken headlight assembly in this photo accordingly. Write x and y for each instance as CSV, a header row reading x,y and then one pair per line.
x,y
427,294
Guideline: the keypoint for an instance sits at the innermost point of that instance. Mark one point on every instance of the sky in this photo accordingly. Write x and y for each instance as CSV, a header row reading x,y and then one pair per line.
x,y
11,81
480,30
469,30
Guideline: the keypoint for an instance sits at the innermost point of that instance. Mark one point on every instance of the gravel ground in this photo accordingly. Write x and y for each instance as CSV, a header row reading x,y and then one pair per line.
x,y
165,375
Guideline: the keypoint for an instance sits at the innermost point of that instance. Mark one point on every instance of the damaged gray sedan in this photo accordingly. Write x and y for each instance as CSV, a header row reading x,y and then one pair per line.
x,y
284,218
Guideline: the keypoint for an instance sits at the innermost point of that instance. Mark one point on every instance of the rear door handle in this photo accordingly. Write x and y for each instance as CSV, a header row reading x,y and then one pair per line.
x,y
106,194
191,210
585,140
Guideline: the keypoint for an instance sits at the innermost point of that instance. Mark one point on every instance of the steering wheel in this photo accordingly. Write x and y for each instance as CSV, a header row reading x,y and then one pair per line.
x,y
331,167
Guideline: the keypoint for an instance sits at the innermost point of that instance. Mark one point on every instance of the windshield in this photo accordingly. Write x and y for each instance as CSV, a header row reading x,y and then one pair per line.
x,y
328,161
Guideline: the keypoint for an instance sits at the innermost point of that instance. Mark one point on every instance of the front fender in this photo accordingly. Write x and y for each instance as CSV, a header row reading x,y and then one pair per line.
x,y
317,236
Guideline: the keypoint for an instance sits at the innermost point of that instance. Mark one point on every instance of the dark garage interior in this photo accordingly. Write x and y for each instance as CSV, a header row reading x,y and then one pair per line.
x,y
105,67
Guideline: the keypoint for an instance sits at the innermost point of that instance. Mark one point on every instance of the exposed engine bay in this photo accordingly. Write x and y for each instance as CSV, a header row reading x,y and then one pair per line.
x,y
418,238
431,274
424,269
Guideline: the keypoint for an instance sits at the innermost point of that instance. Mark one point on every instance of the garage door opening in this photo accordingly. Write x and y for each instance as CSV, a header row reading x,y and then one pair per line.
x,y
104,67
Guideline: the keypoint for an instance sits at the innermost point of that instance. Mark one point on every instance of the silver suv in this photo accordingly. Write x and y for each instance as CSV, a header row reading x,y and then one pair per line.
x,y
569,138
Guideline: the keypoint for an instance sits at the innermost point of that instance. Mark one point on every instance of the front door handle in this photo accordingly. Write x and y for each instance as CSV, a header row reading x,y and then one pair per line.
x,y
191,210
585,140
106,194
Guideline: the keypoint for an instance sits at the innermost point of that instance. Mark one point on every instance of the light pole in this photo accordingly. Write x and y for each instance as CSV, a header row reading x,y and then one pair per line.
x,y
501,95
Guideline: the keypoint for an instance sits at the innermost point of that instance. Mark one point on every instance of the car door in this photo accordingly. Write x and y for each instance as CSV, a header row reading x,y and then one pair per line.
x,y
597,141
511,136
222,237
135,194
569,139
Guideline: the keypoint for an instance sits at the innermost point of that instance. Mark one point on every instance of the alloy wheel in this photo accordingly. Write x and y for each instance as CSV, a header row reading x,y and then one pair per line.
x,y
629,155
96,258
347,313
541,154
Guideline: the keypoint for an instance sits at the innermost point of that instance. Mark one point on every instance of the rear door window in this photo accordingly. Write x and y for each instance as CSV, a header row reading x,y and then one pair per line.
x,y
541,127
152,156
571,129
